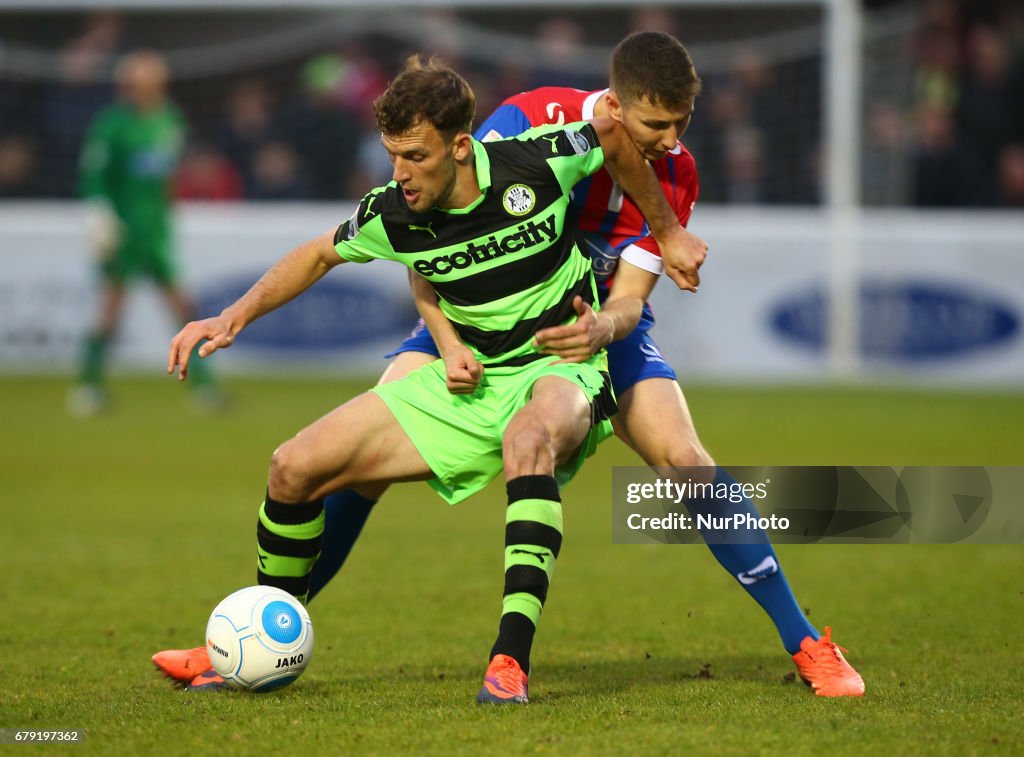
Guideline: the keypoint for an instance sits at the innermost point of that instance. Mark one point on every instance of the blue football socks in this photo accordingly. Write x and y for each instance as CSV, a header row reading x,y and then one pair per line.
x,y
754,564
345,514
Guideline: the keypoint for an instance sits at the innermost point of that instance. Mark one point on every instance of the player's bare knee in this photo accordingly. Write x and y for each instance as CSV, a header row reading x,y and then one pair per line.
x,y
289,479
108,321
688,455
689,458
528,449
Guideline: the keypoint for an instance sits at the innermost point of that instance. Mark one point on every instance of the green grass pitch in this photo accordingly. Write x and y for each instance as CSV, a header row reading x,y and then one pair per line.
x,y
121,533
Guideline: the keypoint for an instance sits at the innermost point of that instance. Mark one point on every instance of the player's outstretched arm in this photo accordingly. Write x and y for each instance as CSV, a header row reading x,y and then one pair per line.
x,y
683,253
592,331
290,277
462,370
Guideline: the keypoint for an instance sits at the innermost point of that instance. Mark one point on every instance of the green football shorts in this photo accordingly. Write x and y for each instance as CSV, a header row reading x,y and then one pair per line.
x,y
142,257
459,435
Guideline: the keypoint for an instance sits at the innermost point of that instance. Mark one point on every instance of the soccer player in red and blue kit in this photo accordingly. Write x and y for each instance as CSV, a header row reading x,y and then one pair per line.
x,y
653,88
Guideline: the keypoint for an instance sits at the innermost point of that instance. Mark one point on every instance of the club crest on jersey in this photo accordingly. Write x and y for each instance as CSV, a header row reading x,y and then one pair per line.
x,y
580,144
518,200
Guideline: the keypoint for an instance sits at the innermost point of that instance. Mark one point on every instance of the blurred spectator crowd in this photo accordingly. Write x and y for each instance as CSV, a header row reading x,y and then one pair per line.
x,y
304,130
967,144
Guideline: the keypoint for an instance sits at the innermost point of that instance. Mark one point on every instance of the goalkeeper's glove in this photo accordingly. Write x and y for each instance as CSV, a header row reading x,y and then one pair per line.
x,y
102,228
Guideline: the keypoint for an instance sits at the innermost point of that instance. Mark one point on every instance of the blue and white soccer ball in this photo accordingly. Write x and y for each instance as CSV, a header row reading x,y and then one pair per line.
x,y
260,638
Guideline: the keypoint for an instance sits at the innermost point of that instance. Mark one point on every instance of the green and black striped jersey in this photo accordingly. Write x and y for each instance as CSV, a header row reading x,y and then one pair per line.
x,y
507,265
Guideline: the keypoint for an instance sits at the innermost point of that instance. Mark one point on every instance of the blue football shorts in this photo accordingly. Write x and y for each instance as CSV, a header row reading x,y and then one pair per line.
x,y
631,360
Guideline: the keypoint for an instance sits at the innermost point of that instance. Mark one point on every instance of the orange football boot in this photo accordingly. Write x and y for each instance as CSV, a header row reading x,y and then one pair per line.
x,y
504,683
183,665
208,681
822,666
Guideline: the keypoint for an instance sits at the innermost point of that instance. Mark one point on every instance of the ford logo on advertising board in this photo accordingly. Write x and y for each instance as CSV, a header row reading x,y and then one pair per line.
x,y
330,315
905,320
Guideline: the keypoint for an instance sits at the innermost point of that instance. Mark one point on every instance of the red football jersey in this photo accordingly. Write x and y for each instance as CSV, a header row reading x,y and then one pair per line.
x,y
602,205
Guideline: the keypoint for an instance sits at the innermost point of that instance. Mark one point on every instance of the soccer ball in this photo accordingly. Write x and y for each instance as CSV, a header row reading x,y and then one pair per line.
x,y
259,638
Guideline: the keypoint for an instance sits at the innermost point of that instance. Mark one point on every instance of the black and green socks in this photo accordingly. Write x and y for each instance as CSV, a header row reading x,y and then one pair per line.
x,y
288,538
533,538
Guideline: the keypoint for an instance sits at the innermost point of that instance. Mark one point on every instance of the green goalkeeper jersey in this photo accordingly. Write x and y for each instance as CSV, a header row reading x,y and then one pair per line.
x,y
129,159
507,265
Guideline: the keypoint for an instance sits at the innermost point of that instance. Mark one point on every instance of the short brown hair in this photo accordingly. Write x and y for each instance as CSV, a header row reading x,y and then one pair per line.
x,y
655,66
429,91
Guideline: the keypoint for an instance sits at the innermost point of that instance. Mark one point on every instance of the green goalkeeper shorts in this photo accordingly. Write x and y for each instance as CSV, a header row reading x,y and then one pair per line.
x,y
459,435
142,256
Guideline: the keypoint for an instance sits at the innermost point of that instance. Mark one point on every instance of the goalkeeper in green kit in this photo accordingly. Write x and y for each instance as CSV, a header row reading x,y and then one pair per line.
x,y
128,161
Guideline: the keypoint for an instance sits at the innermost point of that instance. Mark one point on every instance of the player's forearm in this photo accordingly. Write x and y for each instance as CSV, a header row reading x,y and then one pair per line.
x,y
625,303
641,183
93,187
637,178
290,277
441,329
621,316
93,167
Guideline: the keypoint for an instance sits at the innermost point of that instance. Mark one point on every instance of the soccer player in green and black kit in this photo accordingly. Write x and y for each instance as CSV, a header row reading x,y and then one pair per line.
x,y
128,162
485,225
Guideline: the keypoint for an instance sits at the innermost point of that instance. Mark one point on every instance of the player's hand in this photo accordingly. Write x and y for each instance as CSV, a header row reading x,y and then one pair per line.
x,y
577,341
683,254
462,370
216,332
